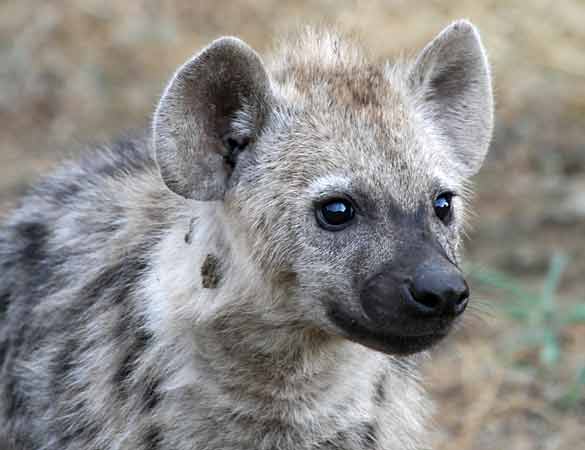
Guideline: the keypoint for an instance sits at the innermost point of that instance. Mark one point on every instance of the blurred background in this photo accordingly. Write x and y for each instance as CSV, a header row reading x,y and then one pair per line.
x,y
76,72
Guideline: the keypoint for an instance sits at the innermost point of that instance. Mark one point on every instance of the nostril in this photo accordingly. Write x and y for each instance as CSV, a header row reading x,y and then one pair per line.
x,y
426,302
461,302
427,299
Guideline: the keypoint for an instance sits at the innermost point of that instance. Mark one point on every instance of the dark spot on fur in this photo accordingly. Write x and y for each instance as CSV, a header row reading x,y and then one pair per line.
x,y
189,234
126,156
339,439
114,283
34,236
153,438
26,278
110,280
210,274
4,303
151,397
286,278
3,352
112,287
380,389
146,388
65,363
365,434
368,436
117,280
13,400
141,340
65,193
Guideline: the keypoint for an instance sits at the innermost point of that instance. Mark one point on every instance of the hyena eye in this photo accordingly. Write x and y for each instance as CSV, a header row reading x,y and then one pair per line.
x,y
335,215
442,206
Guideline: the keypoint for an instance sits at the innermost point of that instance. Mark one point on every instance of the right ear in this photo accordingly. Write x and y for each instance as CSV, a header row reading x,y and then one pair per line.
x,y
214,106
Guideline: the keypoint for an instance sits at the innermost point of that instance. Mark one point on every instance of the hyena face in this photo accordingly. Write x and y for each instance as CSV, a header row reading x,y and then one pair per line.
x,y
346,177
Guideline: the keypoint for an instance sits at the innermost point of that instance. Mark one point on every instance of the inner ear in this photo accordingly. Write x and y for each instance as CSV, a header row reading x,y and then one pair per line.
x,y
212,110
451,79
234,146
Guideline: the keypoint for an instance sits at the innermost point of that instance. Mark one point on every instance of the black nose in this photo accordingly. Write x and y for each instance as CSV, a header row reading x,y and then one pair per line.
x,y
439,290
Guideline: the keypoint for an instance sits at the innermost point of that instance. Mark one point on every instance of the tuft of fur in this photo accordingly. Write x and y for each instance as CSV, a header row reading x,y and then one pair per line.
x,y
135,318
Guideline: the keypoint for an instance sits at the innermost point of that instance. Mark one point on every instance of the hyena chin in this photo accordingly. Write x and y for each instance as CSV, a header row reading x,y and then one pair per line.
x,y
264,270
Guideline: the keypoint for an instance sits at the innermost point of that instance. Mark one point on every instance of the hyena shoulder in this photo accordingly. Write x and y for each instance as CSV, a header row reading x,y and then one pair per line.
x,y
71,257
73,215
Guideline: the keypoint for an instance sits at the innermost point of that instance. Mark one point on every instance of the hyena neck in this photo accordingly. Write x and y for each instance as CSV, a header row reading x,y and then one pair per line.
x,y
234,351
270,363
257,348
237,329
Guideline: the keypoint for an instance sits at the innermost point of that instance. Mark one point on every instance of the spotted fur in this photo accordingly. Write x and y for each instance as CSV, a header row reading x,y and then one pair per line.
x,y
135,318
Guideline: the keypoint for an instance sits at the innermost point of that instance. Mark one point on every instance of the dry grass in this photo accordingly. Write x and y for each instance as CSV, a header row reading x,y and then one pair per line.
x,y
71,71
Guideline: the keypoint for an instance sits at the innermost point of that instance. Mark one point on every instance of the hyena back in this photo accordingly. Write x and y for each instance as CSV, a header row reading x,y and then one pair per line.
x,y
263,271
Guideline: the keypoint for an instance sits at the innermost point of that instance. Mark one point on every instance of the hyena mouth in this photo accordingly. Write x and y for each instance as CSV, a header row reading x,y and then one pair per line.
x,y
393,342
405,309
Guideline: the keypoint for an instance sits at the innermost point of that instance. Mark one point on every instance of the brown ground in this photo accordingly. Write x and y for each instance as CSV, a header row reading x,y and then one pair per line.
x,y
75,71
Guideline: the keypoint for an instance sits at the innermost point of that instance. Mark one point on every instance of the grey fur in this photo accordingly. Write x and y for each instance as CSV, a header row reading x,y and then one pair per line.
x,y
119,333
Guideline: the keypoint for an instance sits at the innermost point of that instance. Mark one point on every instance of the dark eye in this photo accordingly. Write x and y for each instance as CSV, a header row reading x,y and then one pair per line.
x,y
442,206
334,215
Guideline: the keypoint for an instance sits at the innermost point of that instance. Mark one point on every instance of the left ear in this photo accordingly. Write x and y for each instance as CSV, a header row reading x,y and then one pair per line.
x,y
451,79
215,104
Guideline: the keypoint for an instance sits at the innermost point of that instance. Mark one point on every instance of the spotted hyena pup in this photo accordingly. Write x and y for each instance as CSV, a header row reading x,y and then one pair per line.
x,y
262,269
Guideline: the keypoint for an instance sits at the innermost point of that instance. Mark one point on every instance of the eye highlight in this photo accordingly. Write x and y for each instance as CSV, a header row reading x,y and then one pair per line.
x,y
443,206
335,214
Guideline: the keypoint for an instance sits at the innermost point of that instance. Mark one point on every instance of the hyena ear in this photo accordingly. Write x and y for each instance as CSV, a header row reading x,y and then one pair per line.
x,y
214,106
451,79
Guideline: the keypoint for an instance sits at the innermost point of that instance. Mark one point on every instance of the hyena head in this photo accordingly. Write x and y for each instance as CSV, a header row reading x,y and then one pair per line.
x,y
343,177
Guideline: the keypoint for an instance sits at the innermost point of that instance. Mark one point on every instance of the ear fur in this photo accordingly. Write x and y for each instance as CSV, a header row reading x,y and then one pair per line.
x,y
451,80
213,107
